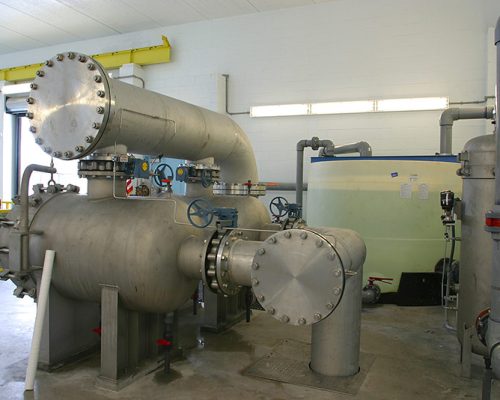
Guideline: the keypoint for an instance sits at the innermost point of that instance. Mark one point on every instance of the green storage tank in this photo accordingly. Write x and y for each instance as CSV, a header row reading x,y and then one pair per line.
x,y
392,201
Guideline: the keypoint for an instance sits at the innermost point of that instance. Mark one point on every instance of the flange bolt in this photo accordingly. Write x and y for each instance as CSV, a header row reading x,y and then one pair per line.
x,y
30,100
40,73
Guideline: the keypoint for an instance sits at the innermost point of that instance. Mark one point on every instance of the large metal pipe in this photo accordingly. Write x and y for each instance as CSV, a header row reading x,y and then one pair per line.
x,y
335,340
92,112
449,116
493,335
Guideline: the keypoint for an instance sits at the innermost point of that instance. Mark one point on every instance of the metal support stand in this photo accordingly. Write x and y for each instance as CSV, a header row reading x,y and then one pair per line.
x,y
112,343
67,331
130,343
222,312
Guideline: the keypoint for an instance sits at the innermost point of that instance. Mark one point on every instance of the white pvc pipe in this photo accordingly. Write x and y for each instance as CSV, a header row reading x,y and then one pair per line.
x,y
43,295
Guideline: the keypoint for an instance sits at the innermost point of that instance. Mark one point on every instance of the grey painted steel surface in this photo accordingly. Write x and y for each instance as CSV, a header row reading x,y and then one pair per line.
x,y
132,244
77,109
493,334
449,116
335,341
475,247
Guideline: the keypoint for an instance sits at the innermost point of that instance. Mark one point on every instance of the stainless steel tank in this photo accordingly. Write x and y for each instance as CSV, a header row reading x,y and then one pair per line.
x,y
478,165
132,244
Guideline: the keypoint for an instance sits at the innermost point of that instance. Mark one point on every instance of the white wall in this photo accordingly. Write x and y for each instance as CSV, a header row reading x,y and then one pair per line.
x,y
342,50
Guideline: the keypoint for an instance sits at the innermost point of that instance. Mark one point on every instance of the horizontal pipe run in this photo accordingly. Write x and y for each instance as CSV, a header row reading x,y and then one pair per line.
x,y
283,186
363,148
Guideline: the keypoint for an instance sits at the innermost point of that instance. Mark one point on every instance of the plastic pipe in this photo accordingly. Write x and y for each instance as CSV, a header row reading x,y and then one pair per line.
x,y
363,148
43,294
315,143
449,116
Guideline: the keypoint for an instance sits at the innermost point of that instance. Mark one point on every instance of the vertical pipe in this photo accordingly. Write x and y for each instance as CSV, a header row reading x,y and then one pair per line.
x,y
493,334
43,295
299,175
336,339
24,217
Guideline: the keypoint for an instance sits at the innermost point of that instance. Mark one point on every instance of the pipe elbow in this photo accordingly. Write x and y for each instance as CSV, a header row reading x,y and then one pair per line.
x,y
449,116
301,144
365,150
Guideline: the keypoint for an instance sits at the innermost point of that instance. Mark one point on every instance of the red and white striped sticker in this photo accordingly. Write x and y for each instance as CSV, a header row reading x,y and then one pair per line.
x,y
130,187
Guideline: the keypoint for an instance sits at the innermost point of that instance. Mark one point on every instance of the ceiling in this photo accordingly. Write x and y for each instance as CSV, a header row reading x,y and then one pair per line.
x,y
27,24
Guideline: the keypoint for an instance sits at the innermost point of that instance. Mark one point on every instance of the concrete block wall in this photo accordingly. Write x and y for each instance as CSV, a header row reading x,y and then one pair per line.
x,y
333,51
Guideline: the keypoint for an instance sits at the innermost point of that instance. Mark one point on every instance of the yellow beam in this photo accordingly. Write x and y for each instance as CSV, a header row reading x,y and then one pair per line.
x,y
142,56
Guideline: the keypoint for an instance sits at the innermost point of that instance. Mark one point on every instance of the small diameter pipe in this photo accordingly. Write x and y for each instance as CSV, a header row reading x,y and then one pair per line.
x,y
363,148
24,217
449,116
315,143
43,294
283,186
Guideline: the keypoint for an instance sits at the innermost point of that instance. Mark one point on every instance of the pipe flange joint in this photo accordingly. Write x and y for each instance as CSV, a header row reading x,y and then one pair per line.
x,y
304,265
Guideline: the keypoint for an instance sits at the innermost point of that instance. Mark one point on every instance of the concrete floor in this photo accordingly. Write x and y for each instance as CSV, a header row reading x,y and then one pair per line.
x,y
415,358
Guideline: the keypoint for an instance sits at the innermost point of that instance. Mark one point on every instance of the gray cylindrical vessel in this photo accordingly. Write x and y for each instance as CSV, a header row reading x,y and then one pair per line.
x,y
478,159
76,109
132,244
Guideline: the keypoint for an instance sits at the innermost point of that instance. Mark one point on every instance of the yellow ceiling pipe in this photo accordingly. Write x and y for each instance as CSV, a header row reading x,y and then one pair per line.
x,y
142,56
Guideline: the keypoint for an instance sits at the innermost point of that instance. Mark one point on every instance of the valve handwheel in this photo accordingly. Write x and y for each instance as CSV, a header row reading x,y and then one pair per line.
x,y
278,207
159,177
206,178
202,210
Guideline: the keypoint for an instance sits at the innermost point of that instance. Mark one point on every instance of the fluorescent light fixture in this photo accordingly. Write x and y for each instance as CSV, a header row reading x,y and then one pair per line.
x,y
415,104
343,107
16,89
352,107
279,110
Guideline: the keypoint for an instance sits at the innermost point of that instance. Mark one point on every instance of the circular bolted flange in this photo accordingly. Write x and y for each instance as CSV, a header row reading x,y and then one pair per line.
x,y
70,101
298,281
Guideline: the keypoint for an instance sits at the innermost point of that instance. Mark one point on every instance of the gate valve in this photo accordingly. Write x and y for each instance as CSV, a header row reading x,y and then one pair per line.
x,y
371,291
160,178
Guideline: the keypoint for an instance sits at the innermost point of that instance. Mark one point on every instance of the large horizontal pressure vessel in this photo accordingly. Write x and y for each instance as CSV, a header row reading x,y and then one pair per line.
x,y
132,244
476,246
392,202
77,109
